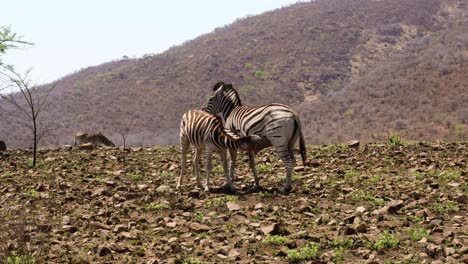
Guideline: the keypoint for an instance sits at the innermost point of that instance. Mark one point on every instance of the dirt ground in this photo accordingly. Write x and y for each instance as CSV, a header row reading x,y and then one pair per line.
x,y
373,204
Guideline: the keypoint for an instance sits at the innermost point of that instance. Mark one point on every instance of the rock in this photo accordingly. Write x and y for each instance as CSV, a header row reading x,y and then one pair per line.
x,y
233,254
163,189
232,206
70,228
347,231
67,147
432,250
86,146
171,224
360,209
258,206
118,173
354,144
361,228
103,250
448,251
120,228
392,207
142,187
195,193
172,240
66,220
299,168
199,227
463,250
136,149
270,229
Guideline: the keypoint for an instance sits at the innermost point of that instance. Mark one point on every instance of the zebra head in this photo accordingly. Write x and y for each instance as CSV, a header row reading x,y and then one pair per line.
x,y
224,99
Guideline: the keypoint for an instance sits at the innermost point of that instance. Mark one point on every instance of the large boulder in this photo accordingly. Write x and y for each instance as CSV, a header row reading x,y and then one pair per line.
x,y
95,138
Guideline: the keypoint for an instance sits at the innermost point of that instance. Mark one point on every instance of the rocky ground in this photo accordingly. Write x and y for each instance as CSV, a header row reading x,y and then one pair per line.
x,y
374,204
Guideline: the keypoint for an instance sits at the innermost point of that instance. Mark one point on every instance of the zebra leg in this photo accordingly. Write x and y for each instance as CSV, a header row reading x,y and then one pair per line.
x,y
254,171
196,166
228,186
184,146
232,171
289,162
209,166
283,139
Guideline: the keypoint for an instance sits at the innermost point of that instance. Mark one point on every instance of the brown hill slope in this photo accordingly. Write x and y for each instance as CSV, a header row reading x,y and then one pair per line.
x,y
353,69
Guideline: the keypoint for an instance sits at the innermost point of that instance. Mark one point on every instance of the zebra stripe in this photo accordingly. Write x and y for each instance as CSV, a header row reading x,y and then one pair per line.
x,y
206,133
279,123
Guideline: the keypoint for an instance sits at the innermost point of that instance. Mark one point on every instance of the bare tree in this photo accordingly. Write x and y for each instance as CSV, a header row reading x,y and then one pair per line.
x,y
123,127
29,101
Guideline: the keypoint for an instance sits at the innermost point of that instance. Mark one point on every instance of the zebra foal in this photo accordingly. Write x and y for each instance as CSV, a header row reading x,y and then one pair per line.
x,y
278,123
206,133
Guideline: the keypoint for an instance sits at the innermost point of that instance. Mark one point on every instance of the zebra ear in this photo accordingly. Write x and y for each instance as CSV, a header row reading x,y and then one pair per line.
x,y
217,85
228,86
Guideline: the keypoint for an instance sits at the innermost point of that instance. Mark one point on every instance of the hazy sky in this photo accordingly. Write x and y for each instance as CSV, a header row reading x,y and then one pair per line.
x,y
70,35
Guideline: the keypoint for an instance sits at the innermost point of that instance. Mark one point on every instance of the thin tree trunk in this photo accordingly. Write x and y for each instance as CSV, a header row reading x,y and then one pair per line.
x,y
35,142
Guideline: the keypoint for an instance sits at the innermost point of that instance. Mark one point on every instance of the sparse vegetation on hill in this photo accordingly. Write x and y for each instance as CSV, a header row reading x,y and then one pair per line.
x,y
353,69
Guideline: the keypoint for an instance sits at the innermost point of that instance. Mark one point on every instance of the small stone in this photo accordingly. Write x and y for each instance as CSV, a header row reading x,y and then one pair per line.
x,y
360,209
103,251
432,250
117,173
347,231
270,229
258,206
163,189
120,228
392,207
199,227
70,228
299,168
171,224
423,240
232,206
172,240
233,254
361,228
448,251
354,144
136,149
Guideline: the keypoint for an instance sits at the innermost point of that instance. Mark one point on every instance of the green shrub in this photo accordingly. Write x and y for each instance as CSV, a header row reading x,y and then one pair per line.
x,y
385,240
308,252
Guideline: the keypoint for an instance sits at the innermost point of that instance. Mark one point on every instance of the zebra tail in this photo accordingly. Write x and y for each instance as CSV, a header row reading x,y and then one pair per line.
x,y
302,146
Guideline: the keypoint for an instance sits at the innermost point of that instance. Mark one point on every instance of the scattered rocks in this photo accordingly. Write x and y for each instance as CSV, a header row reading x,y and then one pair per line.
x,y
92,210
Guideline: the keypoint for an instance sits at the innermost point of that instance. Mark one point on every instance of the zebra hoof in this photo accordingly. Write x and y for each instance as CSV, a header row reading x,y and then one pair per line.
x,y
286,190
255,189
228,188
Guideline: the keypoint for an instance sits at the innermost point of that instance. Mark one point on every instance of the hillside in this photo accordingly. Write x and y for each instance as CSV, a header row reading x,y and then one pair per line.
x,y
352,69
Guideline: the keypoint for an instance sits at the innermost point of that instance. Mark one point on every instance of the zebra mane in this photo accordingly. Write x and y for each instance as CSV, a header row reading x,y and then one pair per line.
x,y
217,85
229,88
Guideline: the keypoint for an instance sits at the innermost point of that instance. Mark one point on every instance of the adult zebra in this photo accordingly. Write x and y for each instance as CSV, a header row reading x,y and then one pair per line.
x,y
206,133
279,123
